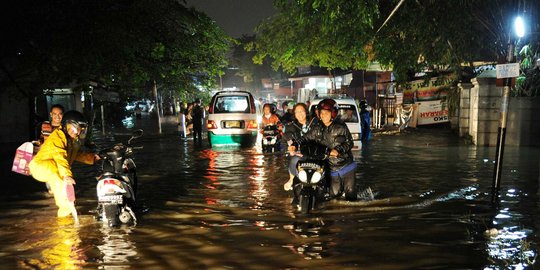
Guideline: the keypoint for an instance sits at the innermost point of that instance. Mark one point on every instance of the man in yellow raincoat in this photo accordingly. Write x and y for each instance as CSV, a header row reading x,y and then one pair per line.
x,y
52,164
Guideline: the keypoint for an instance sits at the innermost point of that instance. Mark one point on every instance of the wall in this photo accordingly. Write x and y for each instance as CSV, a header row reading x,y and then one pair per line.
x,y
523,124
464,109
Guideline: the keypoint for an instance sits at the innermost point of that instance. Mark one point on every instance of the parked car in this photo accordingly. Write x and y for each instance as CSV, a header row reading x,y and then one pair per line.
x,y
130,107
349,113
232,119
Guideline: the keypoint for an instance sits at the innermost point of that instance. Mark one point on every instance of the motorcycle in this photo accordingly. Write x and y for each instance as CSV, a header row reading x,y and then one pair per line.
x,y
310,185
117,183
271,141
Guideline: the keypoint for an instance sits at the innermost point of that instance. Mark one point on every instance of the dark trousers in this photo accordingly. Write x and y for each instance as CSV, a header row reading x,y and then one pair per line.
x,y
197,135
344,181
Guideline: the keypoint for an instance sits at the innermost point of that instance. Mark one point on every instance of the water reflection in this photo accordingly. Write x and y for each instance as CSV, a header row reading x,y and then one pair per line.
x,y
60,247
309,237
257,180
128,122
508,244
225,208
117,250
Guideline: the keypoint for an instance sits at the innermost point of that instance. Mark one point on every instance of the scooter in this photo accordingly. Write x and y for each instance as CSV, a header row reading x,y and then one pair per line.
x,y
117,184
310,185
271,141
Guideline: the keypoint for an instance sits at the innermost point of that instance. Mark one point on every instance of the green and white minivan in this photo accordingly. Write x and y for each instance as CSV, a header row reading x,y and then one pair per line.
x,y
232,119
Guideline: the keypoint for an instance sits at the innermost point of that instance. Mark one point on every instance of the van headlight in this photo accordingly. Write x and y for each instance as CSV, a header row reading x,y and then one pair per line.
x,y
302,175
316,177
355,136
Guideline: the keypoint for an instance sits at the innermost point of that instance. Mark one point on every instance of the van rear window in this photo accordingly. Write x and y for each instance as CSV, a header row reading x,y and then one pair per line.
x,y
231,104
347,113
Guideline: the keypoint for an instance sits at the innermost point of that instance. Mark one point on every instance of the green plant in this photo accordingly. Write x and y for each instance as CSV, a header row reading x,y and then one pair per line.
x,y
528,83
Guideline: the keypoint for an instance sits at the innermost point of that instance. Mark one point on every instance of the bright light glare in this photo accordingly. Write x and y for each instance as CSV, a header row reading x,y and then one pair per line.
x,y
519,26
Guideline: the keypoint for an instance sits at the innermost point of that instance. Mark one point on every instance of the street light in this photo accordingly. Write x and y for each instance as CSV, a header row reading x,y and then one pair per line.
x,y
519,28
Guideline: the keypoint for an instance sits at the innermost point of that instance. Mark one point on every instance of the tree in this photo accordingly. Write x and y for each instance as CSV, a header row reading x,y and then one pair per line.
x,y
420,35
329,34
251,72
122,44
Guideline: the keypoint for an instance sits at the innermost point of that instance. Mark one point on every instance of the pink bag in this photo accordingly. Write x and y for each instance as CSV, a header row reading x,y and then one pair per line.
x,y
23,156
70,192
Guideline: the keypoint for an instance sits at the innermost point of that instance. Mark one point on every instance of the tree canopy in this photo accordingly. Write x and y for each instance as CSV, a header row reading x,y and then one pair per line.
x,y
122,44
251,72
419,35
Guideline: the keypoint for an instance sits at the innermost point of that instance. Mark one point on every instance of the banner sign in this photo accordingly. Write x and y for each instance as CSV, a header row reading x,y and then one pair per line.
x,y
507,70
432,112
422,90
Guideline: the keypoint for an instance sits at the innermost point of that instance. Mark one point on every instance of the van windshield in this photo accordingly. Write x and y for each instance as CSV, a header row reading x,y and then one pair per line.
x,y
232,104
347,113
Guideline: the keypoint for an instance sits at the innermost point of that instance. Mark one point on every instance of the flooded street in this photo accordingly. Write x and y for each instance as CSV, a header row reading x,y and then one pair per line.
x,y
225,208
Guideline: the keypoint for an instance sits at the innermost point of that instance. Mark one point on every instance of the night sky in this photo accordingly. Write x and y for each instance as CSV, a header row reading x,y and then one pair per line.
x,y
236,17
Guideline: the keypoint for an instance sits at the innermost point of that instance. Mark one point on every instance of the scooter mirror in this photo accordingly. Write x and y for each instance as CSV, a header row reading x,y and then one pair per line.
x,y
136,134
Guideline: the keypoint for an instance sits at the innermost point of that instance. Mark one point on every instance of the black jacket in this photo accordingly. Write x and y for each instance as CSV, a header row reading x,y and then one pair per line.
x,y
335,136
293,130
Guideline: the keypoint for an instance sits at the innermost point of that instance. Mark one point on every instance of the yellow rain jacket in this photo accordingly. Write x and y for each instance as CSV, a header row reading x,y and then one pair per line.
x,y
53,162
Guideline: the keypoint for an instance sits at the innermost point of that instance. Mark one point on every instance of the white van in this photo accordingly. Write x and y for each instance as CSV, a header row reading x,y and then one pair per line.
x,y
232,119
349,113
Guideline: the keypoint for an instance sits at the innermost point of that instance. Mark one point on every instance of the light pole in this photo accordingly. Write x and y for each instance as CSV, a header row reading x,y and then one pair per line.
x,y
507,72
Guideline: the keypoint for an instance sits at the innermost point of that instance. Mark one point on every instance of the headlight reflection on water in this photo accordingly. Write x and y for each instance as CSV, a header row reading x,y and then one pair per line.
x,y
258,189
117,250
309,246
509,247
128,122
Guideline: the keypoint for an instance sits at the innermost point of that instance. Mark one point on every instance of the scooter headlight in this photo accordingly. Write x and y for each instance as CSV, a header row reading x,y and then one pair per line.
x,y
316,177
302,175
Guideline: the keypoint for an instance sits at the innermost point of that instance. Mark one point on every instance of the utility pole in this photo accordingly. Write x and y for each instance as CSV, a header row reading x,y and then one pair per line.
x,y
506,72
154,89
501,132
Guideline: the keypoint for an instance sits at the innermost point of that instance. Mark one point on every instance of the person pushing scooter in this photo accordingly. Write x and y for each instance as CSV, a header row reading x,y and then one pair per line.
x,y
52,164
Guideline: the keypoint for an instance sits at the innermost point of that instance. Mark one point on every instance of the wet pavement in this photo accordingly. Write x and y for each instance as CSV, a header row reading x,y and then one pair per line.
x,y
225,208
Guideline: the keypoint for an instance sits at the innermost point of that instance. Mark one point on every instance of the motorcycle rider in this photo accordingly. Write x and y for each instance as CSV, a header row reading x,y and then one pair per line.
x,y
294,130
269,116
288,112
335,135
47,127
52,164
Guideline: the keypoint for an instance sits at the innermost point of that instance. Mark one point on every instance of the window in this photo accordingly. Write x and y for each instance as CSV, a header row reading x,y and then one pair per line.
x,y
347,113
232,104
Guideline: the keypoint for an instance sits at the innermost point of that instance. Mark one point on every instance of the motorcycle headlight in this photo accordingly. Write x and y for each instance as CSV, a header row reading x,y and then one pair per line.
x,y
316,177
355,136
302,175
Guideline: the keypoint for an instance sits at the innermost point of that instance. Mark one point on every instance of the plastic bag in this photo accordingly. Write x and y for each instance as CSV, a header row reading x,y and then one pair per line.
x,y
23,156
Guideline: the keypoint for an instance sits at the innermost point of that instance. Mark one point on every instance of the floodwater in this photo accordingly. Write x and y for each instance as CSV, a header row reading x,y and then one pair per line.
x,y
225,208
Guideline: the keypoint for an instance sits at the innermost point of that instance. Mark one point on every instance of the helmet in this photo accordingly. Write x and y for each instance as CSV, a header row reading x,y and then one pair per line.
x,y
363,105
76,119
291,104
330,105
272,107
